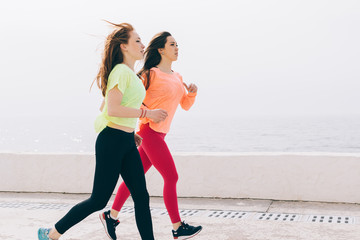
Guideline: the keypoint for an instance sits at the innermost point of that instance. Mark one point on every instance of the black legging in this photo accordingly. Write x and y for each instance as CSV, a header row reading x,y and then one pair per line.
x,y
116,153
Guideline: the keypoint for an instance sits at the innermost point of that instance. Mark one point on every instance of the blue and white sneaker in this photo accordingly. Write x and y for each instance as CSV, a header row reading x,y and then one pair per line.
x,y
186,231
43,233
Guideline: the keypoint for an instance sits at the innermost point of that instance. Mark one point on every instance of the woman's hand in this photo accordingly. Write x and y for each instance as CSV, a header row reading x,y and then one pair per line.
x,y
138,140
157,115
192,88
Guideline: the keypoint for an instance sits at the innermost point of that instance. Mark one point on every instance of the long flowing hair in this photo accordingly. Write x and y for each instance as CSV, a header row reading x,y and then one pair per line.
x,y
152,56
112,53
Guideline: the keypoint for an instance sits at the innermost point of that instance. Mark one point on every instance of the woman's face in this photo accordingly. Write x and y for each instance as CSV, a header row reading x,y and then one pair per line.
x,y
134,48
170,49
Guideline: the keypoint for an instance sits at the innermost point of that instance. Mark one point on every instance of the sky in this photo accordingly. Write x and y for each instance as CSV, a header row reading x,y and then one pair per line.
x,y
254,57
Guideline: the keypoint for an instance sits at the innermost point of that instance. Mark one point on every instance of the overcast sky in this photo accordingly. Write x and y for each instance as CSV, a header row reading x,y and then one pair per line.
x,y
247,57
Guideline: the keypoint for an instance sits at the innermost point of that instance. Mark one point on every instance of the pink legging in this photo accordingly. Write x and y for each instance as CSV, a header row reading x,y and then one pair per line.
x,y
154,151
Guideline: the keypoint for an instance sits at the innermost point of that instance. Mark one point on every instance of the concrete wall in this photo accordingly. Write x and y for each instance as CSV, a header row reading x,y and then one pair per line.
x,y
281,176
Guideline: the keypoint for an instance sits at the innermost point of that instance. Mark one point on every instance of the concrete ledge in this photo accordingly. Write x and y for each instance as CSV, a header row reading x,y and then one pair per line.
x,y
326,177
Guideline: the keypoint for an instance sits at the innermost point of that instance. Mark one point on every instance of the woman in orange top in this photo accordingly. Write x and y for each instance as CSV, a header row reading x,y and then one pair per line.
x,y
165,90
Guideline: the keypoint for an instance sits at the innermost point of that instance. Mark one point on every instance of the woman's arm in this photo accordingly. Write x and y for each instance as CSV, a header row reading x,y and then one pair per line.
x,y
115,109
188,99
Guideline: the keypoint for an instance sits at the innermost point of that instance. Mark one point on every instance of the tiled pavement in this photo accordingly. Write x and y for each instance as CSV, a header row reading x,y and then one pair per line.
x,y
222,219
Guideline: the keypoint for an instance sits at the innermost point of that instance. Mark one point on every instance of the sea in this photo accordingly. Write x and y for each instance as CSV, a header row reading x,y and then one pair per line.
x,y
193,133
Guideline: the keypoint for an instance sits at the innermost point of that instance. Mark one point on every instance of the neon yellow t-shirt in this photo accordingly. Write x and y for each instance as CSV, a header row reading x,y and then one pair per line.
x,y
133,94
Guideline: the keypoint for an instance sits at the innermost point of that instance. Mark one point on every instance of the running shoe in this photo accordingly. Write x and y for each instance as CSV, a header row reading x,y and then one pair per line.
x,y
109,224
186,231
43,233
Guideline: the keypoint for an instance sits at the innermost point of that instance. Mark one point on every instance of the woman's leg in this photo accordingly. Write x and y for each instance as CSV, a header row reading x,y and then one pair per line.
x,y
133,174
123,192
108,166
159,154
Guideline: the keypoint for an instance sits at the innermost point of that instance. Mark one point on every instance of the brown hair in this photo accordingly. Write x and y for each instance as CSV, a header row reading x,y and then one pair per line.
x,y
112,54
152,56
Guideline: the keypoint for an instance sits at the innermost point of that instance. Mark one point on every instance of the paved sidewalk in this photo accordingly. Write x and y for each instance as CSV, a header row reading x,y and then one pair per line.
x,y
21,214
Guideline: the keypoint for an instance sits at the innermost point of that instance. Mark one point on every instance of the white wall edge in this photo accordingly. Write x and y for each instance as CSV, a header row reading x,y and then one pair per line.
x,y
327,177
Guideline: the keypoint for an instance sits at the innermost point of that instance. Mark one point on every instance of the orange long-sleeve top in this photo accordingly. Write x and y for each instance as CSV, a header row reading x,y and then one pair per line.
x,y
166,91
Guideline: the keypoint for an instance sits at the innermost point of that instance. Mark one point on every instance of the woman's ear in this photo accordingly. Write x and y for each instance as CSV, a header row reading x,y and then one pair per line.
x,y
123,47
161,51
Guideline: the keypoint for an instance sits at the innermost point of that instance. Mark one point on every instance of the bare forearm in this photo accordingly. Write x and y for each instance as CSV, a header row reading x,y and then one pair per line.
x,y
115,109
124,112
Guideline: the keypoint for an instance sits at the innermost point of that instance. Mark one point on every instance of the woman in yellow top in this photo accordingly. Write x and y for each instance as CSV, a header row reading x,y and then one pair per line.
x,y
116,151
165,89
